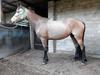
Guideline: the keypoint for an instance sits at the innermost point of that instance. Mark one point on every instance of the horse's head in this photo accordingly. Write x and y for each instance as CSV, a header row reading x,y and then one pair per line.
x,y
21,13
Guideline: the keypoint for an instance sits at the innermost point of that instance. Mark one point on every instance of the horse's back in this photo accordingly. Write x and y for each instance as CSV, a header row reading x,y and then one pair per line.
x,y
61,29
57,29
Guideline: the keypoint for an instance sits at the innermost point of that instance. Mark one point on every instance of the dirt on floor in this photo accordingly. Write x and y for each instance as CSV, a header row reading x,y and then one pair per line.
x,y
29,63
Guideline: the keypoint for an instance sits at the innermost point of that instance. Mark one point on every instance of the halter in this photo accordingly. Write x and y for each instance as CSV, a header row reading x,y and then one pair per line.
x,y
16,24
20,21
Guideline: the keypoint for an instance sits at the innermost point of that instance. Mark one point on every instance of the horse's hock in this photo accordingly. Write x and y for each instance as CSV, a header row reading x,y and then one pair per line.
x,y
88,12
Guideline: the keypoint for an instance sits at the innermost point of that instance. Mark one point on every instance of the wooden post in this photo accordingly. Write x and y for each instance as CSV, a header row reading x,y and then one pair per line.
x,y
31,37
0,11
54,17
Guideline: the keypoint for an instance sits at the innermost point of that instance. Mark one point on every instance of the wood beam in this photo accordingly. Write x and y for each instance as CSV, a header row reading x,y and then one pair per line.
x,y
14,1
9,3
8,10
1,12
27,3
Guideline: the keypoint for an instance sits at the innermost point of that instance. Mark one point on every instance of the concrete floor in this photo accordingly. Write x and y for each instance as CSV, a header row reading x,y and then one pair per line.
x,y
29,63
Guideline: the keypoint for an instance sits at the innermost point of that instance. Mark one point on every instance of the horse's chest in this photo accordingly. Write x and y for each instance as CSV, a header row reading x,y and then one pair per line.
x,y
41,31
56,29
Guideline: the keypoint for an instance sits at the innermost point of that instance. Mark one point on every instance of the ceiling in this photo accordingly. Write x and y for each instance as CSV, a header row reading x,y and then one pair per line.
x,y
11,5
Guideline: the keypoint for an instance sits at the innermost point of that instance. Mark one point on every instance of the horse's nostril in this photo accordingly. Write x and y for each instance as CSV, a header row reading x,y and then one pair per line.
x,y
10,22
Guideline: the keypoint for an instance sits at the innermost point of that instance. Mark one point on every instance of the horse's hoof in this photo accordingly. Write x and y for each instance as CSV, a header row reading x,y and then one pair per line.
x,y
84,62
76,58
45,62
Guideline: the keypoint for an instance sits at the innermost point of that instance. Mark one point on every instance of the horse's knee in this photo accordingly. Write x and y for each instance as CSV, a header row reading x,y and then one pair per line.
x,y
46,49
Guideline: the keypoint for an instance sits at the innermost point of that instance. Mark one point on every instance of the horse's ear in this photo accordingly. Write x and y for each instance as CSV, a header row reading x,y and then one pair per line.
x,y
19,4
30,8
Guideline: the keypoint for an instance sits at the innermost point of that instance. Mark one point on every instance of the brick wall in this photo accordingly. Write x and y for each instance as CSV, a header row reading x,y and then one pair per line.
x,y
86,10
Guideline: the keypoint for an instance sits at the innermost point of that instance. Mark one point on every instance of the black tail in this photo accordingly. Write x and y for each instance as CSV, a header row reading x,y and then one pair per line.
x,y
83,31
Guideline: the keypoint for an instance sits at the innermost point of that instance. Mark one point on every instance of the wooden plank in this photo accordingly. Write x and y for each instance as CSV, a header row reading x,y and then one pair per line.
x,y
54,17
31,38
9,3
0,11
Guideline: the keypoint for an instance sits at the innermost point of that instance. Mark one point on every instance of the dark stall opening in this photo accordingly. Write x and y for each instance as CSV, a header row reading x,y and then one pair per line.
x,y
42,10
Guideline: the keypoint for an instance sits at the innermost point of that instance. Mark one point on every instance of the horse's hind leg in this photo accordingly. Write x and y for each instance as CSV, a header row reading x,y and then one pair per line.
x,y
83,55
45,45
78,52
83,51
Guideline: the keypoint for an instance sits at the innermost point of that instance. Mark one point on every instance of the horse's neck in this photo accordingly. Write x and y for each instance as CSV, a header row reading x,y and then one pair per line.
x,y
32,17
35,19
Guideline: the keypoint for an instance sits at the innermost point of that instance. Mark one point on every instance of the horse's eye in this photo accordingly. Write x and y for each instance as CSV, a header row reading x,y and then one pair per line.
x,y
17,11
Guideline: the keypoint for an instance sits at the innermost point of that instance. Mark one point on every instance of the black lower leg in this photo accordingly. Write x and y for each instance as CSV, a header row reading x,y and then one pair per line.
x,y
84,55
78,53
45,58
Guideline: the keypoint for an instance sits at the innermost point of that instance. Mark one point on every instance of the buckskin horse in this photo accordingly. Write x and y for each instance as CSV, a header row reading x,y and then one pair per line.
x,y
47,29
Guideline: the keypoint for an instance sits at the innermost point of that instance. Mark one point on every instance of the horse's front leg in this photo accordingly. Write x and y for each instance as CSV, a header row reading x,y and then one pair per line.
x,y
45,58
45,45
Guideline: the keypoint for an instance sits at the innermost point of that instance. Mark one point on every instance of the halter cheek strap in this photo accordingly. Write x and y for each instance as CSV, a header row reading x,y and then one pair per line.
x,y
23,13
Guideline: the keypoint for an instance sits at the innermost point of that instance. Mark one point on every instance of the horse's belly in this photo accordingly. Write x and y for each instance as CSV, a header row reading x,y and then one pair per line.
x,y
56,30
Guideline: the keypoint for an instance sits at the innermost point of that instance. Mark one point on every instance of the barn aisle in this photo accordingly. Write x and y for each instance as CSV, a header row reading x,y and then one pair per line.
x,y
29,63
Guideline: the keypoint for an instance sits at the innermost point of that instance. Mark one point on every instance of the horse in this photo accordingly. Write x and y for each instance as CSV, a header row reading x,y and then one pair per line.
x,y
47,29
